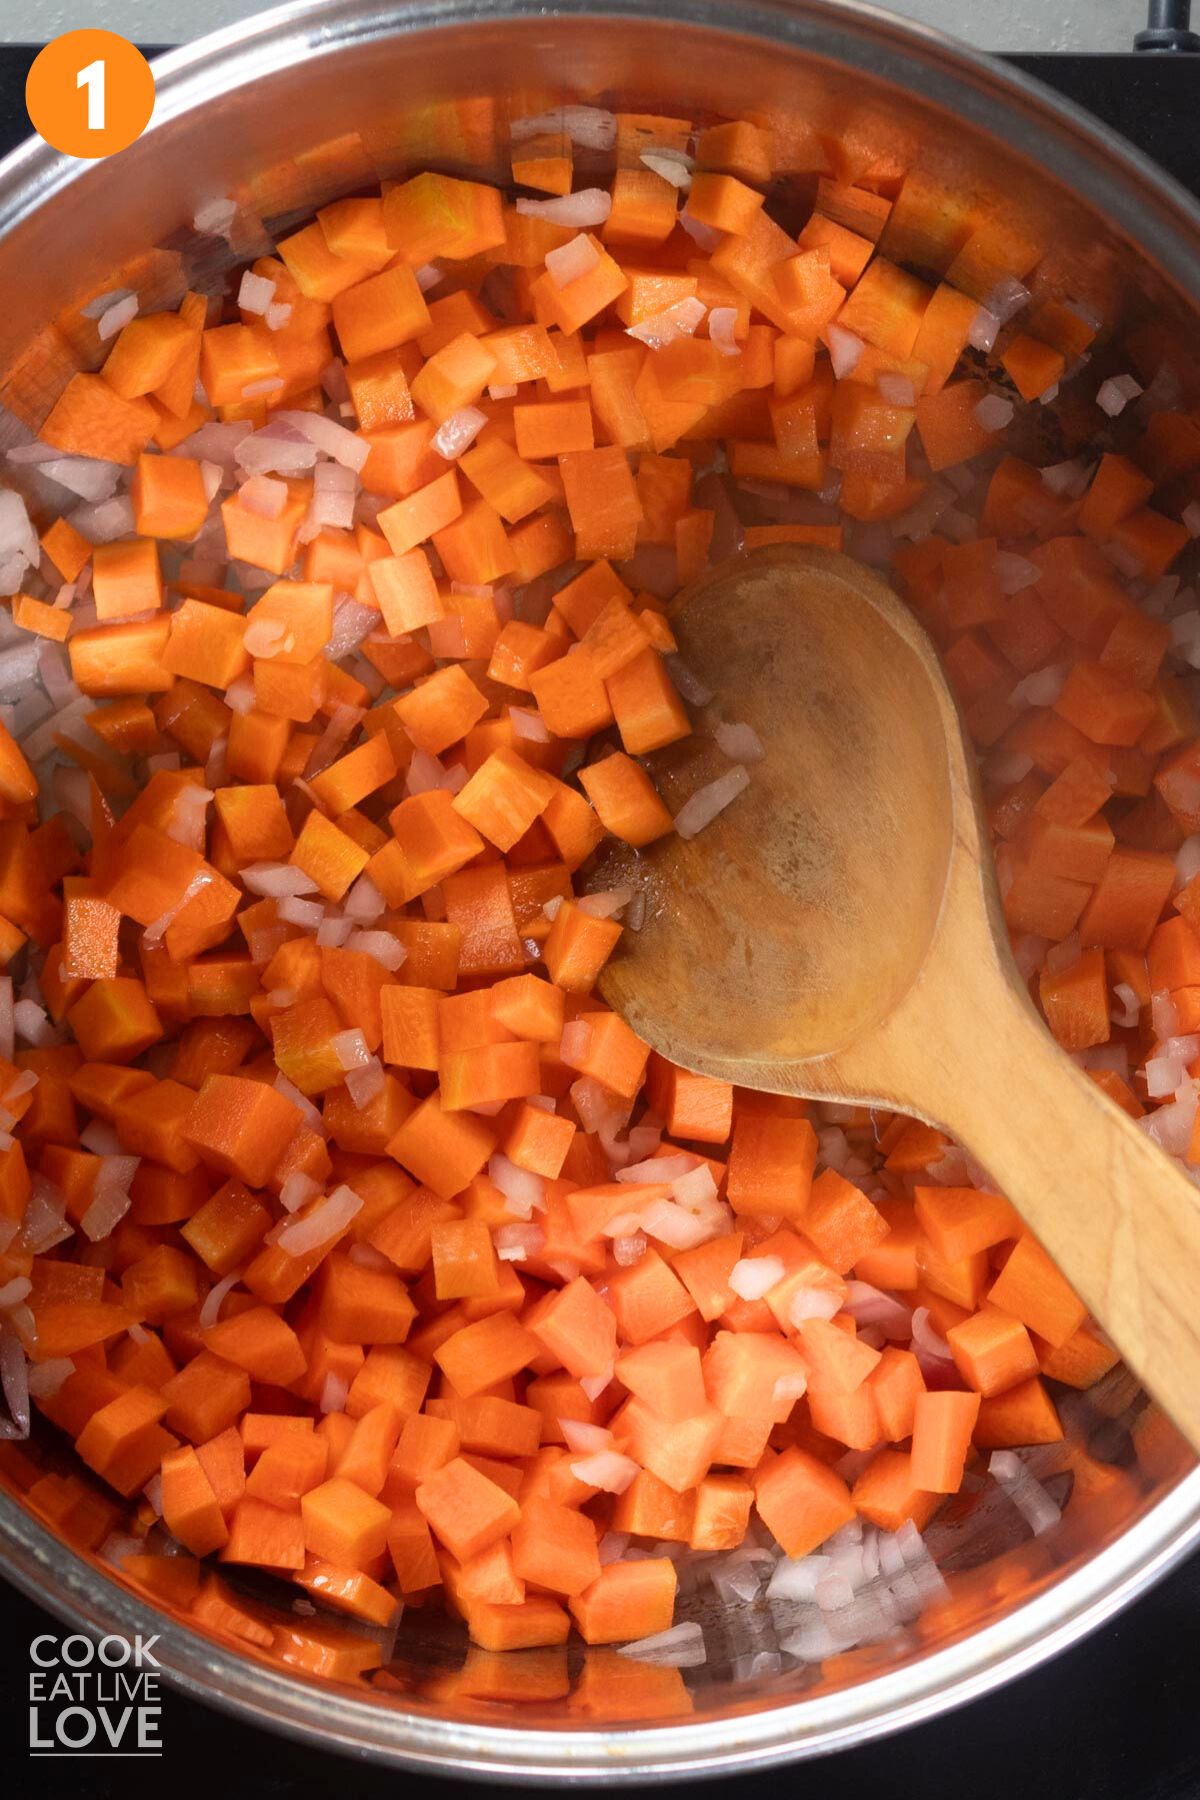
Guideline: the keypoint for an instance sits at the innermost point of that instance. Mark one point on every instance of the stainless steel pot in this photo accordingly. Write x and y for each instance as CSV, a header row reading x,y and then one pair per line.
x,y
316,98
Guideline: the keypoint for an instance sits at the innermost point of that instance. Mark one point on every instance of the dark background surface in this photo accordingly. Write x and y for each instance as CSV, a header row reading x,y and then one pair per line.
x,y
1113,1719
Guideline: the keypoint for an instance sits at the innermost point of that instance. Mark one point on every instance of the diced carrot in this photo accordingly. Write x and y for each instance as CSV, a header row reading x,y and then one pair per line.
x,y
959,1222
801,1501
1023,1414
771,1163
626,1600
1031,1289
993,1351
942,1426
465,1510
1033,366
886,1494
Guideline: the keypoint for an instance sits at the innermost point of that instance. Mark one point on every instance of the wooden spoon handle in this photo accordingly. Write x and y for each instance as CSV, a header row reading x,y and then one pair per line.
x,y
1118,1216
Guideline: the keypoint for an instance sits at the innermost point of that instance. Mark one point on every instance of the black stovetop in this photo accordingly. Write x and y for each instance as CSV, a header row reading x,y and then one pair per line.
x,y
1113,1719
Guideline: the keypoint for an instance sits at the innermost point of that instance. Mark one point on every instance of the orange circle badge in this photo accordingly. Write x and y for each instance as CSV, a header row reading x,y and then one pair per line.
x,y
90,93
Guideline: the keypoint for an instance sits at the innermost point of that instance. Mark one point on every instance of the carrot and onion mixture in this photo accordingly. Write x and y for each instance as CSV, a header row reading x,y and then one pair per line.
x,y
343,1229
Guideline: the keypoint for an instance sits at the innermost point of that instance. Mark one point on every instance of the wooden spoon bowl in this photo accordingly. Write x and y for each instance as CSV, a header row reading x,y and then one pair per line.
x,y
836,933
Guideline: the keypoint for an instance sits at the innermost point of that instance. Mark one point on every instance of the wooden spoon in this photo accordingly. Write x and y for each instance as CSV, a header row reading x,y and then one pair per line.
x,y
836,933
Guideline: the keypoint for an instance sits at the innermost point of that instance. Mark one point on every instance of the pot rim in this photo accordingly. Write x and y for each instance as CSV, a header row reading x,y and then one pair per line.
x,y
1158,216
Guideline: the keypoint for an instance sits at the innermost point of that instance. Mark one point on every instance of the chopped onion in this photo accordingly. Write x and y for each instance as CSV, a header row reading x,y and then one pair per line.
x,y
708,801
696,1189
327,1220
574,1044
335,1391
528,725
590,206
1025,1491
927,1338
813,1303
255,293
845,349
722,321
741,743
1015,573
572,260
1163,1075
677,1226
276,880
1060,957
34,1026
1127,1014
1069,480
46,1378
517,1243
1164,1015
607,1470
333,933
1191,518
523,1191
458,432
672,165
350,1049
755,1276
351,624
330,438
364,901
1007,298
276,449
265,496
99,1138
705,237
1042,688
659,1168
677,321
686,682
101,303
114,318
1114,395
994,412
14,1377
104,1214
18,539
215,216
89,478
1171,1126
44,1223
297,1189
606,905
583,1437
869,1305
365,1083
305,913
210,1311
897,390
984,329
594,1385
14,1291
386,949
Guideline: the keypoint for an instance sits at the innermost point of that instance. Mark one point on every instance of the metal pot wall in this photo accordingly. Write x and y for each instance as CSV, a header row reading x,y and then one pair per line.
x,y
317,99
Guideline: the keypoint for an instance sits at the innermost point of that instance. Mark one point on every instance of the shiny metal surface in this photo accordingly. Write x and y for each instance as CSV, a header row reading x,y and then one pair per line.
x,y
316,99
